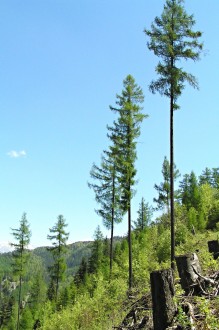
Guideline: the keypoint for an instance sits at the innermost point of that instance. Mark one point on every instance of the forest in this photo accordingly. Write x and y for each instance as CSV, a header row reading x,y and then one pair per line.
x,y
164,273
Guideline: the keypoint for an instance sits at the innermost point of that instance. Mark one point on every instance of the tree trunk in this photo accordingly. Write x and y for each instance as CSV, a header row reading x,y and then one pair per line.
x,y
19,303
164,308
111,243
213,247
172,219
130,246
188,267
112,227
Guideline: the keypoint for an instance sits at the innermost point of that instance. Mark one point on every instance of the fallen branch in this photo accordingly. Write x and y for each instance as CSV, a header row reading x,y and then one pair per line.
x,y
206,279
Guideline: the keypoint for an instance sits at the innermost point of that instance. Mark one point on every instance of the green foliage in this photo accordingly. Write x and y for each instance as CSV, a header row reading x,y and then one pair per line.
x,y
74,254
213,219
58,250
37,292
20,256
145,213
20,253
163,247
210,321
172,40
27,321
6,308
182,233
163,199
210,177
81,275
192,218
107,190
145,258
100,312
124,136
108,193
181,317
5,264
96,257
190,191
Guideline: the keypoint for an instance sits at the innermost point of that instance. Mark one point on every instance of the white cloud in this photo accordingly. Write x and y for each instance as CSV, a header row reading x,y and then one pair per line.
x,y
16,154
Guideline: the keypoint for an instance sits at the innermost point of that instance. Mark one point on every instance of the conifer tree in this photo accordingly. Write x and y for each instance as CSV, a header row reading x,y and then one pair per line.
x,y
124,134
107,193
144,215
58,249
206,177
210,176
96,257
20,256
37,292
173,40
215,177
163,189
189,191
81,274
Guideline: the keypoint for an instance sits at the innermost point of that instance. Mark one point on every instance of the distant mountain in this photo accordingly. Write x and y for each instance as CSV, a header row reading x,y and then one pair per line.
x,y
75,253
5,247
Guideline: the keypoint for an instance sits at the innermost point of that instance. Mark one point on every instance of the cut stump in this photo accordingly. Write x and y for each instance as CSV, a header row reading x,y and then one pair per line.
x,y
213,247
162,289
189,269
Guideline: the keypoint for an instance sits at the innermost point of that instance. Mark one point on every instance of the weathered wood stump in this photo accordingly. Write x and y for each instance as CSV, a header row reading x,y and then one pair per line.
x,y
162,289
213,247
188,267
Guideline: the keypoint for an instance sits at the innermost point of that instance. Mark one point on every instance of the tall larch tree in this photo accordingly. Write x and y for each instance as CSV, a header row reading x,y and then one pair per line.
x,y
124,134
173,40
107,194
58,236
20,256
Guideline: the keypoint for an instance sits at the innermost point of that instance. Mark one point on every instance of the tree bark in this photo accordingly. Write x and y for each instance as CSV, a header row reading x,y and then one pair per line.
x,y
112,227
213,247
188,267
162,289
130,247
172,218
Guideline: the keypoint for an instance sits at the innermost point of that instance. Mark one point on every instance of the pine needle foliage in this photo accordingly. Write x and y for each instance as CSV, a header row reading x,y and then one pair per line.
x,y
20,256
173,40
124,134
58,249
107,194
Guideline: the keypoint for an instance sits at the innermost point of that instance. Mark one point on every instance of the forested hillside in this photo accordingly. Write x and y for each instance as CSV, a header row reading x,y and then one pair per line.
x,y
76,251
94,295
164,273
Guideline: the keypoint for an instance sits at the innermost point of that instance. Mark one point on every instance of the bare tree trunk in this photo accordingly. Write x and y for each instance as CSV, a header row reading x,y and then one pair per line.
x,y
164,308
130,246
19,304
188,267
111,243
172,219
213,247
112,225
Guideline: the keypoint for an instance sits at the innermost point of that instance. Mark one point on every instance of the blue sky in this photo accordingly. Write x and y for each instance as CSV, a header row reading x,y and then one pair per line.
x,y
61,64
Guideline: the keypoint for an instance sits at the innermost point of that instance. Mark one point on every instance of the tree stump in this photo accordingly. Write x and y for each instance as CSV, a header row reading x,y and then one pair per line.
x,y
162,289
213,247
188,267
